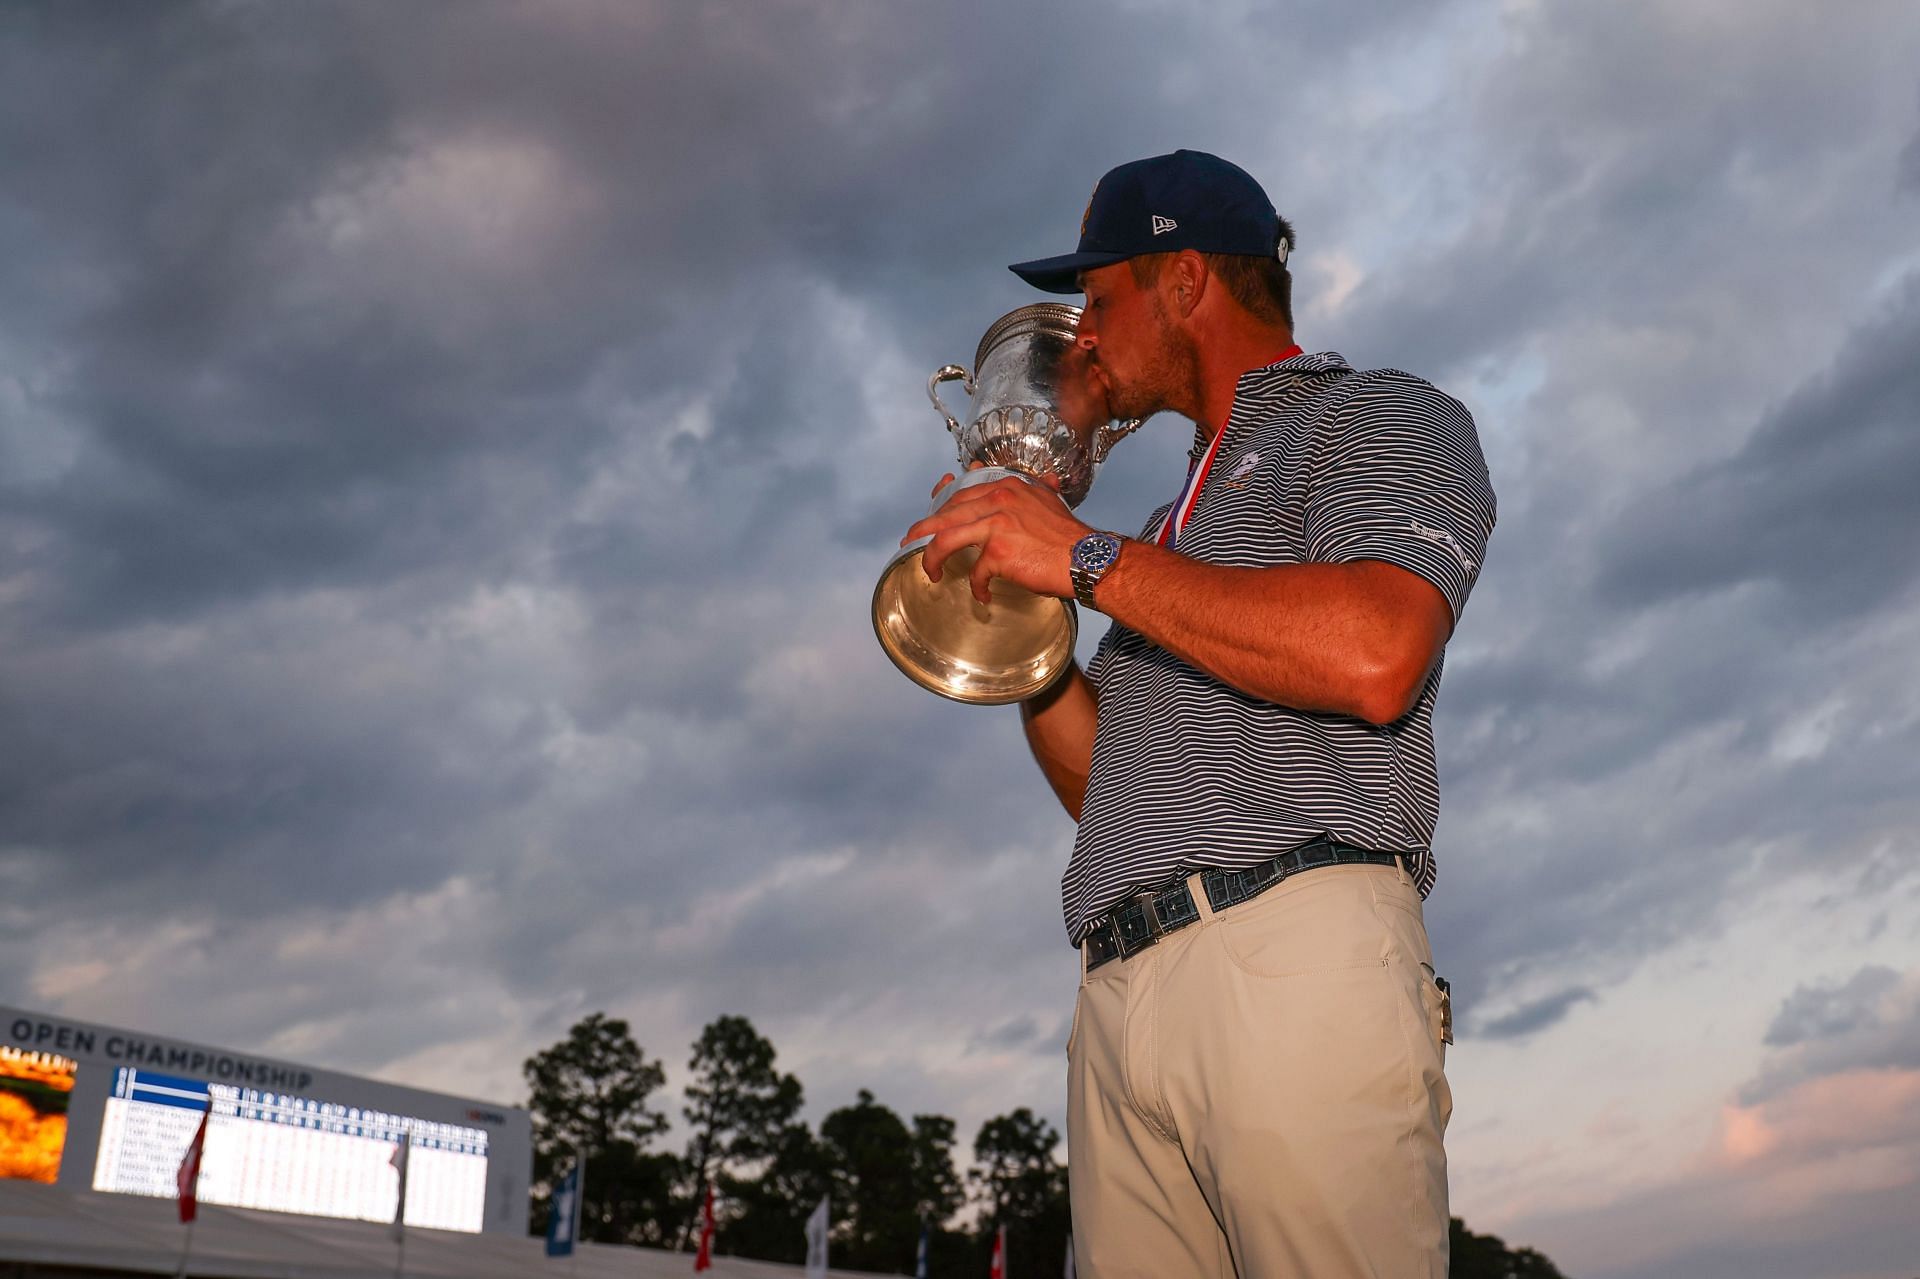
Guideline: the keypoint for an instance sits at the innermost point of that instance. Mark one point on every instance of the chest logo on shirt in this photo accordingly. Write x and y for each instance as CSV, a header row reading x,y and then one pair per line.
x,y
1237,477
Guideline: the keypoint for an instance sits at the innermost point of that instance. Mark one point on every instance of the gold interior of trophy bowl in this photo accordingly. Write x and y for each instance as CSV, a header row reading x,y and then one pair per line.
x,y
947,641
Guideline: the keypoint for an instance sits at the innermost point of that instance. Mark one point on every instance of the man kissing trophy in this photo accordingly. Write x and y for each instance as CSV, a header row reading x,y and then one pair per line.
x,y
1039,414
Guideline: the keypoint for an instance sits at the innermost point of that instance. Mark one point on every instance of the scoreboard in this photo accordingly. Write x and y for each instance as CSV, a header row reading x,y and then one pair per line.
x,y
280,1137
288,1154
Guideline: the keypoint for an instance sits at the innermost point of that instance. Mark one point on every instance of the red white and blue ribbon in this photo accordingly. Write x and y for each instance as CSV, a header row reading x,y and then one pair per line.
x,y
1182,509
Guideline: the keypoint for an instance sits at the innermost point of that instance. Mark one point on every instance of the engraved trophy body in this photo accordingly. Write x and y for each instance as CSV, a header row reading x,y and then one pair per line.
x,y
1036,412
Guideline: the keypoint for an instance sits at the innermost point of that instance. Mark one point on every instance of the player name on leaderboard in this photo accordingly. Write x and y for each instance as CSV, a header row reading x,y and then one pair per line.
x,y
289,1154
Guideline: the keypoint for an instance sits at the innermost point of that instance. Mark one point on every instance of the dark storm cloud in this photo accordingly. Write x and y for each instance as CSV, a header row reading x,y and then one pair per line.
x,y
243,423
357,312
1871,1022
397,416
1821,1012
1012,1034
1818,503
1536,1015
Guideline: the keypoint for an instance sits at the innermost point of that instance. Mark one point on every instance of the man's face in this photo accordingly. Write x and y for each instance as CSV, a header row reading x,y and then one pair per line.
x,y
1145,361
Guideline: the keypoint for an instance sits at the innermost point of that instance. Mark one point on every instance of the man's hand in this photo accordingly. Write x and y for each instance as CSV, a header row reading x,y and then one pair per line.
x,y
1024,532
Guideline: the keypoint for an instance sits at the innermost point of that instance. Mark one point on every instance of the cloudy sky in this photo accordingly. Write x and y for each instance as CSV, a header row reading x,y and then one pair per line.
x,y
446,452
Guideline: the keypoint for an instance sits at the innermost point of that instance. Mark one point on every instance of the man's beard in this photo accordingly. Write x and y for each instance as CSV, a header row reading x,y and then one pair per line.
x,y
1164,381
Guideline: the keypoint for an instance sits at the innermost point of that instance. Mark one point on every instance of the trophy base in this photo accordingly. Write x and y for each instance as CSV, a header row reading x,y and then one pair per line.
x,y
945,640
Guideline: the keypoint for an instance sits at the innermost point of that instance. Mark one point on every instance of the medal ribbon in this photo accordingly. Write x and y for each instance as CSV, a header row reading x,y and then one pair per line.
x,y
1182,509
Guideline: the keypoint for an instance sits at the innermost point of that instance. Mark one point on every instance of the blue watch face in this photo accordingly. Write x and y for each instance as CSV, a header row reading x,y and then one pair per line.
x,y
1095,551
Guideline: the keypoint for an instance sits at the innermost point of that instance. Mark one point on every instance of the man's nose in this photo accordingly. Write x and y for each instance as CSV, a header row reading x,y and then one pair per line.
x,y
1084,337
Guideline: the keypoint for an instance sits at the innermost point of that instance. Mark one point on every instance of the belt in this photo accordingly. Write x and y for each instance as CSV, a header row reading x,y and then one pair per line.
x,y
1143,919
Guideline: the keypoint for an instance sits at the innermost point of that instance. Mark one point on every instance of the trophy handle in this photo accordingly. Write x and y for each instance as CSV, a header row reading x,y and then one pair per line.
x,y
949,373
1111,434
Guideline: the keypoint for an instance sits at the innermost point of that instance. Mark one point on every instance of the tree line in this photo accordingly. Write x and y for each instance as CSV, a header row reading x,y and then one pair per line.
x,y
884,1176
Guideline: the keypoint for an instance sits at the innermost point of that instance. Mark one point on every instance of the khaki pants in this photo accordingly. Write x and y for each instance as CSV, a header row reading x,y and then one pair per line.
x,y
1261,1094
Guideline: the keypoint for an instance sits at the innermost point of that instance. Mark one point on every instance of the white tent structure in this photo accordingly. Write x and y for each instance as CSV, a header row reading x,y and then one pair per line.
x,y
49,1233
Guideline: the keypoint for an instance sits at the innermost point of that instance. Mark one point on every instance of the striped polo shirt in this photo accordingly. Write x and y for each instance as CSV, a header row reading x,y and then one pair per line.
x,y
1320,464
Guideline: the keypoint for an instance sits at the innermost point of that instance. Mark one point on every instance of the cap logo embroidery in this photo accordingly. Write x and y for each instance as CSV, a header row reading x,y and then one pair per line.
x,y
1087,216
1163,225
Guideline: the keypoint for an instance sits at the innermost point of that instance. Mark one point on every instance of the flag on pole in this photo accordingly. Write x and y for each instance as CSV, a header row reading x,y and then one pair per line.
x,y
920,1257
817,1241
563,1213
999,1268
704,1261
402,1156
188,1178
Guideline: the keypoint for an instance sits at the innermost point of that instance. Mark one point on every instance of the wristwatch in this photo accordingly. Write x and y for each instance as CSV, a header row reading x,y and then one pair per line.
x,y
1093,555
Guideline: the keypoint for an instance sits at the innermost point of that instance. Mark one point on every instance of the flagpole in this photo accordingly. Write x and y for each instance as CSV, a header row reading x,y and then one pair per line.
x,y
579,1205
818,1226
186,1249
187,1182
400,1209
703,1255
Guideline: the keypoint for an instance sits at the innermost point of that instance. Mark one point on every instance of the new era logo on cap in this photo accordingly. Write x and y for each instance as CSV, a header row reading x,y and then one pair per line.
x,y
1163,225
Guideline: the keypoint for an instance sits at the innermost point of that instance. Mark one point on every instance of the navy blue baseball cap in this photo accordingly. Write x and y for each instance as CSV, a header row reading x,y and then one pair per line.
x,y
1186,200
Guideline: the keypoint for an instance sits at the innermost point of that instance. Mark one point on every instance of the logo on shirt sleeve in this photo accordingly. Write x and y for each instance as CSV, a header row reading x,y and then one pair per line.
x,y
1440,537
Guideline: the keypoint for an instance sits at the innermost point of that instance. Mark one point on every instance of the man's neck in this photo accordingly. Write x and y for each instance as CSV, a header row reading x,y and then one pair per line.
x,y
1223,358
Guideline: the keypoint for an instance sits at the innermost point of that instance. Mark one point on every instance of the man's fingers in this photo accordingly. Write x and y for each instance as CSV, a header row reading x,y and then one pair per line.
x,y
949,541
957,509
981,579
940,521
944,481
997,491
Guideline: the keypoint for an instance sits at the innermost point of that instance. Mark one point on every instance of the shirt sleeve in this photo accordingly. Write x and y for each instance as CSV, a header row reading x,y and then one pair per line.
x,y
1401,479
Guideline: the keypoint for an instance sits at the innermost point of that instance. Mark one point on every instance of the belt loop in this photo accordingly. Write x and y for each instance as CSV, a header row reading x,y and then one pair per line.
x,y
1082,948
1400,861
1197,885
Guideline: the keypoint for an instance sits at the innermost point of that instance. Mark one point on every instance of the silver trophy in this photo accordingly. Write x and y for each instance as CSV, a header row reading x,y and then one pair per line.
x,y
1036,412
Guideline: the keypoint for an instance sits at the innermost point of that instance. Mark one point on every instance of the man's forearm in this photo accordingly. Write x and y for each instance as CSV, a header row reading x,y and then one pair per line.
x,y
1060,725
1353,639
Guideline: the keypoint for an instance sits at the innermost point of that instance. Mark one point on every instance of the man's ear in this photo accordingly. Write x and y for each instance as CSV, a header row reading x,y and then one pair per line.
x,y
1190,277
